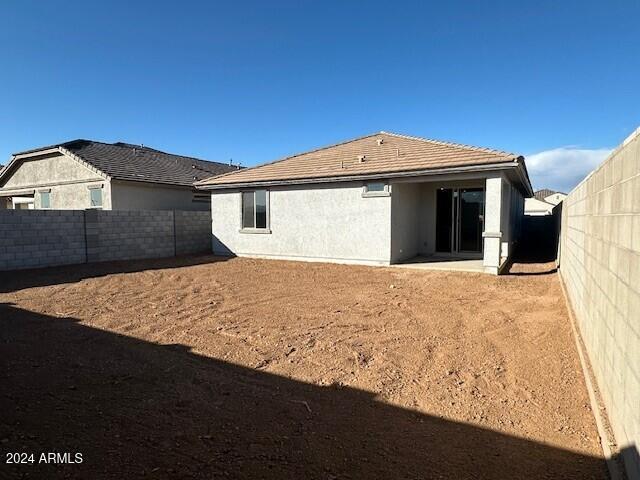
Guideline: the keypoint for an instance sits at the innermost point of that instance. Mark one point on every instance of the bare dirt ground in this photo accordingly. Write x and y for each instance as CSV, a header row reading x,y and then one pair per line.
x,y
206,368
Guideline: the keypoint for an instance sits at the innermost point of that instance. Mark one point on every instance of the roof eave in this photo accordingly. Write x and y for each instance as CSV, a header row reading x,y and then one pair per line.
x,y
370,176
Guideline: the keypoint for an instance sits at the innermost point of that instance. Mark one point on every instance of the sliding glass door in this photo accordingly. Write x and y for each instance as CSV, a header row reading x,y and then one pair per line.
x,y
459,220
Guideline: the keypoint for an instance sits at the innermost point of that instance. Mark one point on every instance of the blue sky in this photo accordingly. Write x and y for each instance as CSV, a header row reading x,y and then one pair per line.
x,y
254,81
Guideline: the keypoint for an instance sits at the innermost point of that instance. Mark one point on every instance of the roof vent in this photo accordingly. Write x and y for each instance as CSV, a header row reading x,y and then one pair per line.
x,y
380,141
361,158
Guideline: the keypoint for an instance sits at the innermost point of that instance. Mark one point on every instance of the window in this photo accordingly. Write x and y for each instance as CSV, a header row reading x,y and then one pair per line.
x,y
375,189
45,199
254,210
95,197
201,198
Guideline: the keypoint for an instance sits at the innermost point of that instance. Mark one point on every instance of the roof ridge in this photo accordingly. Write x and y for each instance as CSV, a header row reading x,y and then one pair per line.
x,y
151,149
450,144
344,142
118,144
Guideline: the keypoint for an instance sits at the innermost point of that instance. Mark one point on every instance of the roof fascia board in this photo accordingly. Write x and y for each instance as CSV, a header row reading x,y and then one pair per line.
x,y
370,176
37,153
524,177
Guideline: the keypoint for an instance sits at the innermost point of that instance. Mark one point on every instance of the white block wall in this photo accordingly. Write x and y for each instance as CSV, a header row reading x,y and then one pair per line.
x,y
600,265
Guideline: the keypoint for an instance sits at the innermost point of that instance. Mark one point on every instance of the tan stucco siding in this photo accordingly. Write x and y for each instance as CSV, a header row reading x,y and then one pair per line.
x,y
142,196
74,196
48,170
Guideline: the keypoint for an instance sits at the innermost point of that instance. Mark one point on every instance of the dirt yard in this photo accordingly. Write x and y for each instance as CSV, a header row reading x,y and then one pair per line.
x,y
206,368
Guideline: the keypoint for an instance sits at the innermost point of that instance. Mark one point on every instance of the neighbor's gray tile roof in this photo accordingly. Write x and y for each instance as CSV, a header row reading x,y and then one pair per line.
x,y
396,153
125,161
544,193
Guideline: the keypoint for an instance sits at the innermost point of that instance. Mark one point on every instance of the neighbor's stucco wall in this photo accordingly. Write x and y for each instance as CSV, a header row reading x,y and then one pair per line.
x,y
535,207
75,196
600,266
47,170
330,222
142,196
66,179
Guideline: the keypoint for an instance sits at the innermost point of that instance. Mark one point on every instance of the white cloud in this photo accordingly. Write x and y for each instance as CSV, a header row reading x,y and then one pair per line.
x,y
563,168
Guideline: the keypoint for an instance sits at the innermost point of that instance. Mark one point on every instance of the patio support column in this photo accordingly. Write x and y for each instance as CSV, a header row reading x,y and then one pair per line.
x,y
492,234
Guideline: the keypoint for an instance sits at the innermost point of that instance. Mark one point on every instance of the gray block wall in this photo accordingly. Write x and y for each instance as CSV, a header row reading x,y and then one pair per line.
x,y
44,238
40,238
600,266
193,232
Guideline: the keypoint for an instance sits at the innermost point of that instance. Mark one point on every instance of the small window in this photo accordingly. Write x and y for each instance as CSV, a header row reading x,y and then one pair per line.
x,y
375,189
45,199
254,209
201,198
95,197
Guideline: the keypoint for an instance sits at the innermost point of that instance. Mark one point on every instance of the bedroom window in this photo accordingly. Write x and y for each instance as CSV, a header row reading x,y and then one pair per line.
x,y
95,197
255,210
45,199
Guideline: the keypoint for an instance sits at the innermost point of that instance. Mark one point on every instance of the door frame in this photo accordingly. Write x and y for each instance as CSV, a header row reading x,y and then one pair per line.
x,y
454,250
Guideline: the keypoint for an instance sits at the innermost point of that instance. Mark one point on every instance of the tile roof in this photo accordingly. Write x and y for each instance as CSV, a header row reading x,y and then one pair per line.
x,y
124,161
544,193
379,153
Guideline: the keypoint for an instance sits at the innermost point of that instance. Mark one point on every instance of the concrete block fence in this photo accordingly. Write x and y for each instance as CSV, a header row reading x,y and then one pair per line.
x,y
45,238
600,267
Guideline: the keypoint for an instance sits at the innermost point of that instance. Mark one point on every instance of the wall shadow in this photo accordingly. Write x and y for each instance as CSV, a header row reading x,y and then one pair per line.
x,y
13,280
136,409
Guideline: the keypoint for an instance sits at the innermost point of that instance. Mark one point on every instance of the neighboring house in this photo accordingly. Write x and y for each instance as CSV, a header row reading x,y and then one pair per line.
x,y
543,202
86,174
379,199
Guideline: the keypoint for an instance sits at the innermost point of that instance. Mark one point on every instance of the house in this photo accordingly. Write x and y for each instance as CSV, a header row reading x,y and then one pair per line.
x,y
379,199
84,174
543,202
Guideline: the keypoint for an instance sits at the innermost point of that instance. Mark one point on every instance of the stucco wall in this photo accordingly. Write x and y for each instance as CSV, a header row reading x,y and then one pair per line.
x,y
511,218
75,196
141,196
408,214
66,179
330,223
49,169
600,266
413,216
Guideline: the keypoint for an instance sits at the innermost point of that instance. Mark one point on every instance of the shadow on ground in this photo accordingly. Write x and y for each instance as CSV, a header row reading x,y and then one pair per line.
x,y
136,409
11,281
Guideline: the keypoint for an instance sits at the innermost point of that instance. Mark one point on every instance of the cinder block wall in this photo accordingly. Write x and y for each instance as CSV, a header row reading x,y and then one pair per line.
x,y
193,232
600,266
41,238
124,235
44,238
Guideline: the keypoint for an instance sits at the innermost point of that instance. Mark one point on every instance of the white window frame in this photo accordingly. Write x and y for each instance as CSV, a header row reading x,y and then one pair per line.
x,y
386,192
96,187
48,192
263,230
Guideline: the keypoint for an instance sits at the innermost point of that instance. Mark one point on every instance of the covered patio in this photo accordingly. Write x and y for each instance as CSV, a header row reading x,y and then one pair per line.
x,y
464,222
